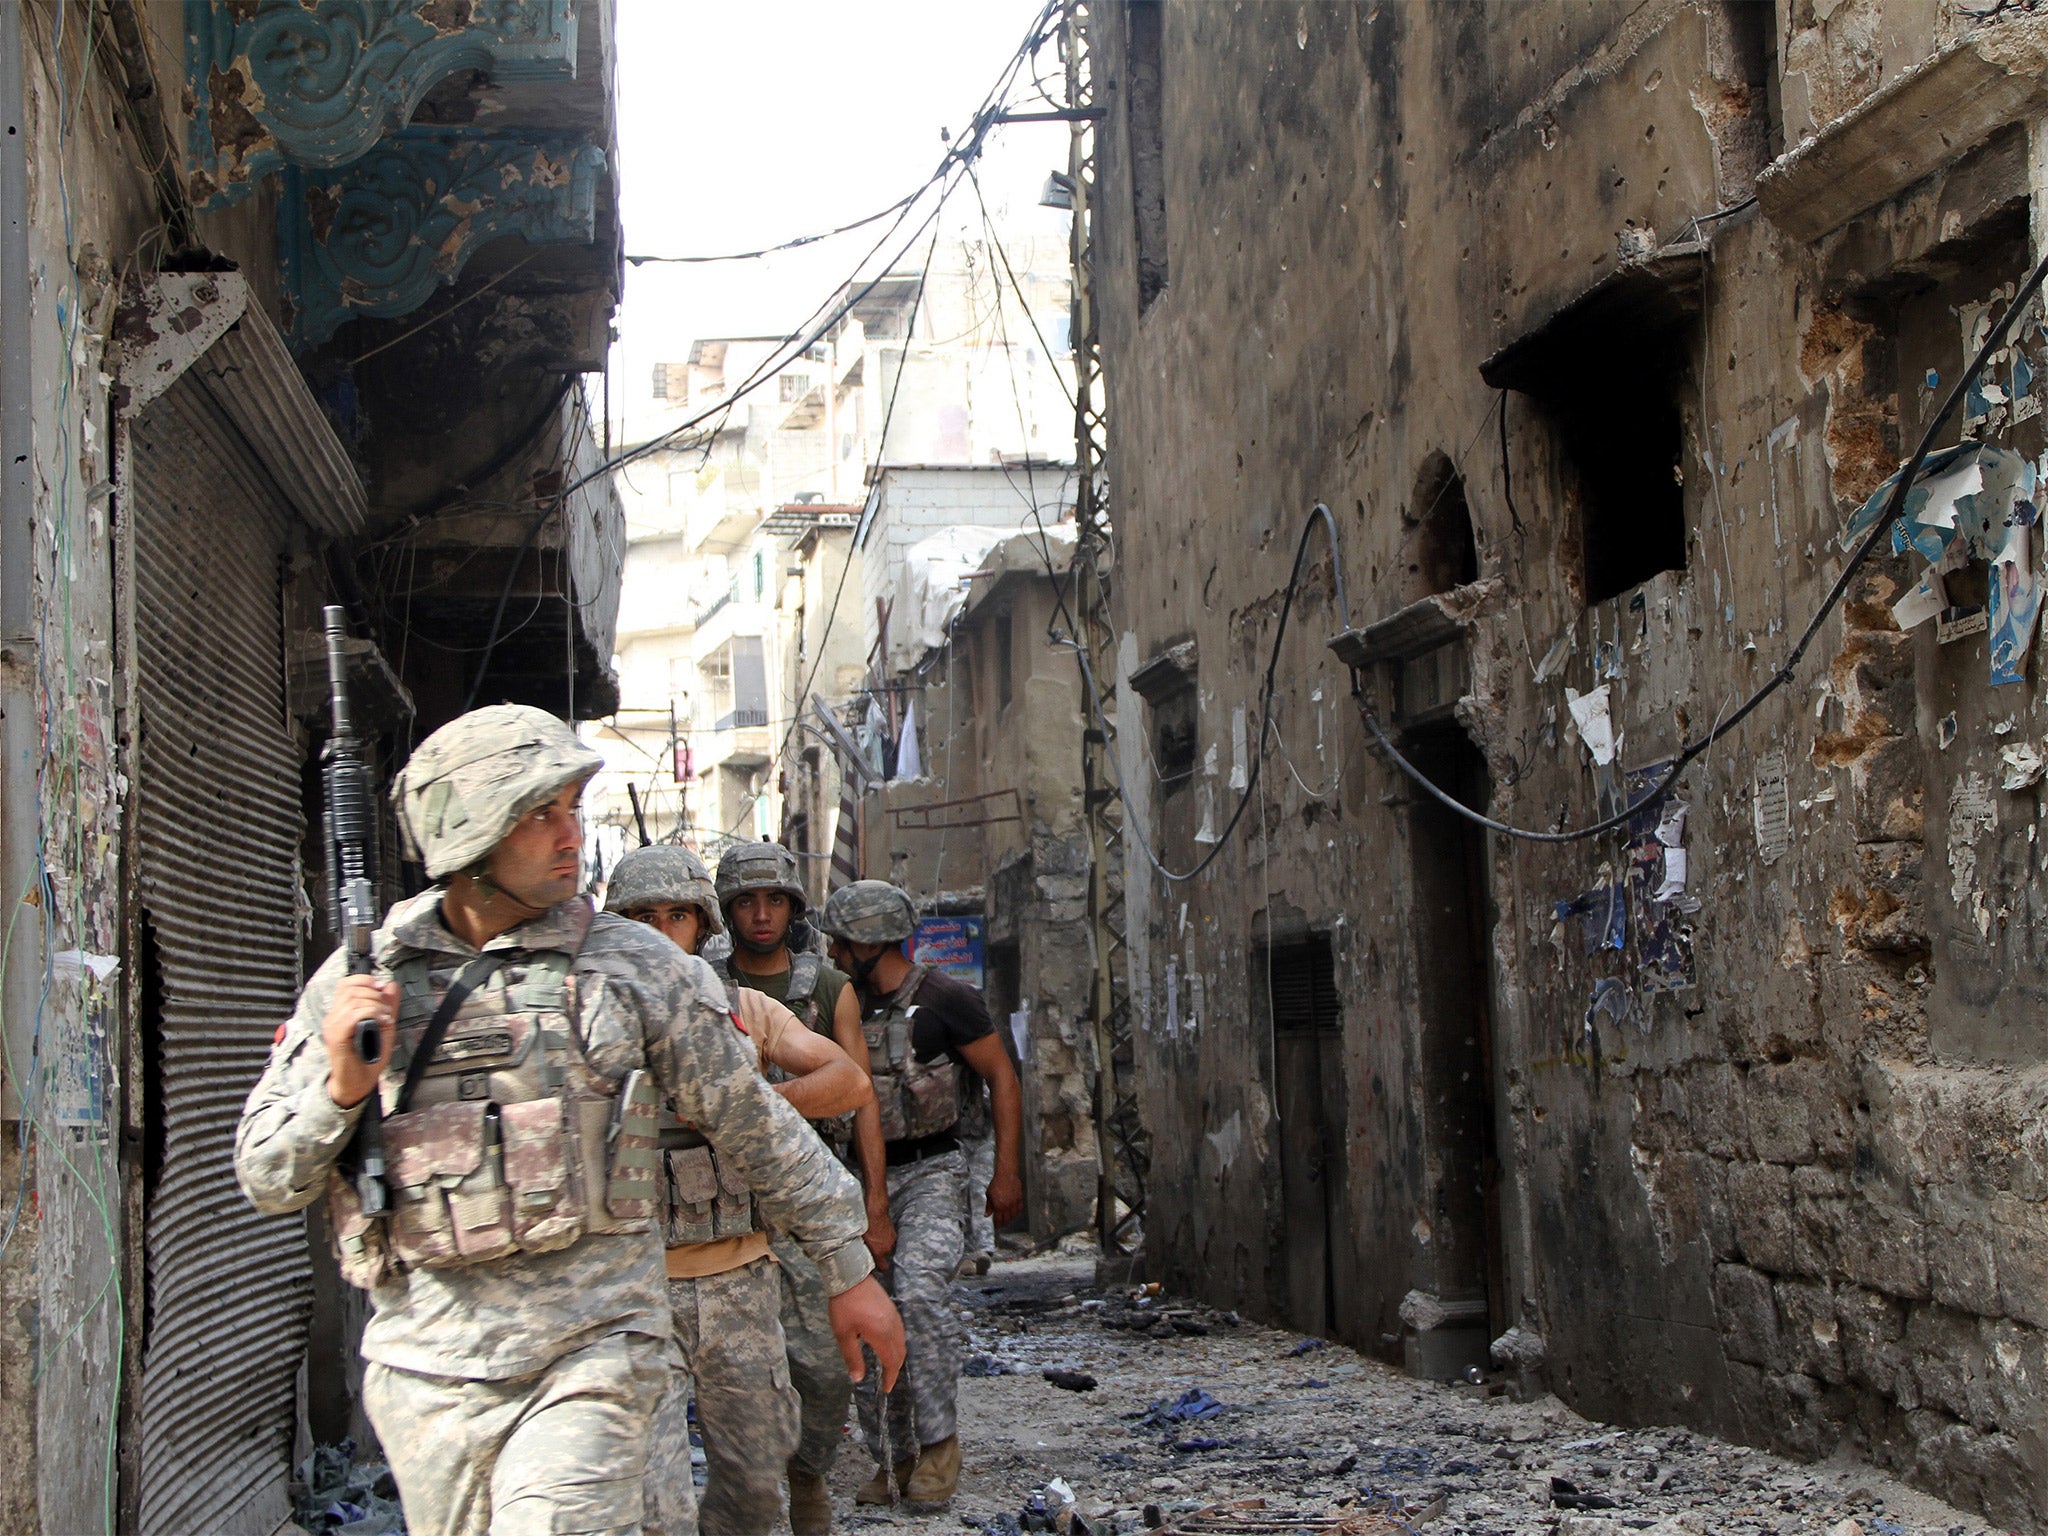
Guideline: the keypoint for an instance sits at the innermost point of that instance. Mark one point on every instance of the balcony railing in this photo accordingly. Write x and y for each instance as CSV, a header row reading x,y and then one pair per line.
x,y
741,719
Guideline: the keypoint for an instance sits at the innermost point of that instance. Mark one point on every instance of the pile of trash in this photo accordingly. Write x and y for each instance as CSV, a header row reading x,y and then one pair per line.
x,y
336,1495
1146,1310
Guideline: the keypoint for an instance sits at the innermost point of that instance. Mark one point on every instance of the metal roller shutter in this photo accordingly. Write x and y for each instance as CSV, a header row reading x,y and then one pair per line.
x,y
218,824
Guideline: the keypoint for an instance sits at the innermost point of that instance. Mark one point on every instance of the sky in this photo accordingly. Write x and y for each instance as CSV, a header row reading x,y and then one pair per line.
x,y
743,123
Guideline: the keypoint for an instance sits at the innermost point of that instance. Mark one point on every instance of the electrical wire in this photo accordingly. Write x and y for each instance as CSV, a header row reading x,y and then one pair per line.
x,y
839,588
1879,531
788,245
1676,765
945,178
1133,820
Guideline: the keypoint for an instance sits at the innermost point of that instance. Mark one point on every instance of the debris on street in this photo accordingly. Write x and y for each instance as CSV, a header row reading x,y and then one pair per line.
x,y
1201,1434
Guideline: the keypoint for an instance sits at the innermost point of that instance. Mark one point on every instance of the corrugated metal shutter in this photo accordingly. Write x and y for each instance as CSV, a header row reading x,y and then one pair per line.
x,y
218,826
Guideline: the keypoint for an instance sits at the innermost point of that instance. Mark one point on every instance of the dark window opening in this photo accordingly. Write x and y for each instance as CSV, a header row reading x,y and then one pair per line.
x,y
1441,550
1631,481
1145,120
1622,448
1301,984
1608,374
1173,739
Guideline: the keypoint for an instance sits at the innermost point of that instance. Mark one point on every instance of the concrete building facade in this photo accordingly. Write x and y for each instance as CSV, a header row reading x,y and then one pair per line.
x,y
1594,327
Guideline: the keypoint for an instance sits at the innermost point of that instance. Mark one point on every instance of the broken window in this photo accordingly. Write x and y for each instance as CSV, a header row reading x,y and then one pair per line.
x,y
1173,739
1167,683
1145,123
1440,551
1608,372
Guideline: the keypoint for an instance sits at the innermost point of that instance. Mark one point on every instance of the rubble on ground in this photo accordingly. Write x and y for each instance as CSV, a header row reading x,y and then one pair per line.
x,y
1211,1424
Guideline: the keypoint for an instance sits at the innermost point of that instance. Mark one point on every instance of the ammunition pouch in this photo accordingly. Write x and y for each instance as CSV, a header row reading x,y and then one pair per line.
x,y
708,1198
917,1099
508,1142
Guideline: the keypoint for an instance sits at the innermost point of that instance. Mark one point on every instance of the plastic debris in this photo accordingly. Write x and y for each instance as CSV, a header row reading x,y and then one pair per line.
x,y
1191,1405
1564,1494
986,1365
1306,1347
337,1494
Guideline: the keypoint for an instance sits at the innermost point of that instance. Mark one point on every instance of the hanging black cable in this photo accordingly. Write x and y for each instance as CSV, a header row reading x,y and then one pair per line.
x,y
1133,821
1879,532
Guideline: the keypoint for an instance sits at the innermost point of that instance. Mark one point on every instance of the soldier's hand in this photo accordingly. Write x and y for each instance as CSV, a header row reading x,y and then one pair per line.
x,y
356,998
866,1315
881,1238
1005,1197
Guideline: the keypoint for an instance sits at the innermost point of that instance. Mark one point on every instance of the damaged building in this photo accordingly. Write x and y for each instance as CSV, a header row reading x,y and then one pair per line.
x,y
295,305
1596,328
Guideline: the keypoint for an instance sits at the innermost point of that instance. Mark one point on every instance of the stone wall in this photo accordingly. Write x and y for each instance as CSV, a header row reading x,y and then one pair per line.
x,y
1771,1165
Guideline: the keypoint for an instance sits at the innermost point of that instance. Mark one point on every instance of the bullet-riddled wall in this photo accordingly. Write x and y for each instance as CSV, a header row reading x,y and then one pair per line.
x,y
1592,326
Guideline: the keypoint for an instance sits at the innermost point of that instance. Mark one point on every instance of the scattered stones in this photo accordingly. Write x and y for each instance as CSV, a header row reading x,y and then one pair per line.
x,y
1183,1423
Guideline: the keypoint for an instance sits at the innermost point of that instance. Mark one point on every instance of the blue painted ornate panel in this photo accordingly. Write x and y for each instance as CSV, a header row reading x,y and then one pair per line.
x,y
317,83
374,238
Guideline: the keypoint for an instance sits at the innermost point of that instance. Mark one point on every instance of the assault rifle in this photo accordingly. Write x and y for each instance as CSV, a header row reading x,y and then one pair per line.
x,y
352,889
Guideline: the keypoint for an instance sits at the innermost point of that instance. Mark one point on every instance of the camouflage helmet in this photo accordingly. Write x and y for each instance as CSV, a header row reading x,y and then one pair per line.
x,y
869,912
759,867
467,784
648,877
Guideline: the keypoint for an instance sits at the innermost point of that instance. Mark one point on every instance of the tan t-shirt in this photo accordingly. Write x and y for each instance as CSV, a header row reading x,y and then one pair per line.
x,y
765,1020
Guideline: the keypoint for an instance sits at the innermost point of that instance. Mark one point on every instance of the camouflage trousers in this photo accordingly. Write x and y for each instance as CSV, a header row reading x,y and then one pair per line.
x,y
729,1332
924,1202
559,1451
980,1153
816,1368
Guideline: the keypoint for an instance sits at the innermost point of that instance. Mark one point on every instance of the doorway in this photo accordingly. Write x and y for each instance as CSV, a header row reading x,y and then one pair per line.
x,y
1459,1260
1296,982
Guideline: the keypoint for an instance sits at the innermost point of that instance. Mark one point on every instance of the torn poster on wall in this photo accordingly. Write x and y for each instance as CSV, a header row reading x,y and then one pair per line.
x,y
1641,913
1970,502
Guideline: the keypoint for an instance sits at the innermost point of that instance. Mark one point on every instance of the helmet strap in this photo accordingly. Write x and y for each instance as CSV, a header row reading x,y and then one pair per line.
x,y
752,946
863,969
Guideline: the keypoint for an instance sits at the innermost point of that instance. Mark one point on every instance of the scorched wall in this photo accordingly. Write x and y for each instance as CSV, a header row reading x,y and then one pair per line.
x,y
1764,1155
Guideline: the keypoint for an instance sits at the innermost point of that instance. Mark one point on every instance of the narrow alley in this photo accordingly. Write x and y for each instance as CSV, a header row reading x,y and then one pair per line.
x,y
1208,1423
1335,710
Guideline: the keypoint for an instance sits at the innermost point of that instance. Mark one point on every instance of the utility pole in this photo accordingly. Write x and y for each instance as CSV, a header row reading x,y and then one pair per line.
x,y
1122,1148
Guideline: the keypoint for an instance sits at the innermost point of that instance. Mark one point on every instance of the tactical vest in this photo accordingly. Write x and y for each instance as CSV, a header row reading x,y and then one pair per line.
x,y
801,999
917,1098
513,1143
707,1198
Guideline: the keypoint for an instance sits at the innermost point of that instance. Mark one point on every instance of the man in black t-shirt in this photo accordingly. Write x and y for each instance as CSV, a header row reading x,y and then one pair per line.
x,y
925,1033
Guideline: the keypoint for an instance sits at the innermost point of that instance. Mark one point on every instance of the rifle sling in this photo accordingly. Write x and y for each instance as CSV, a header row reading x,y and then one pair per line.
x,y
467,980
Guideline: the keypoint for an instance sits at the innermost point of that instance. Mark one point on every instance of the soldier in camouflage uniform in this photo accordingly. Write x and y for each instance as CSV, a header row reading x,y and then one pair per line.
x,y
762,900
724,1289
517,1347
924,1033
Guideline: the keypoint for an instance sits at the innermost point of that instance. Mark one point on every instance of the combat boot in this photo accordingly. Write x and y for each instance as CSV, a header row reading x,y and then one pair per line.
x,y
810,1503
938,1474
876,1489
